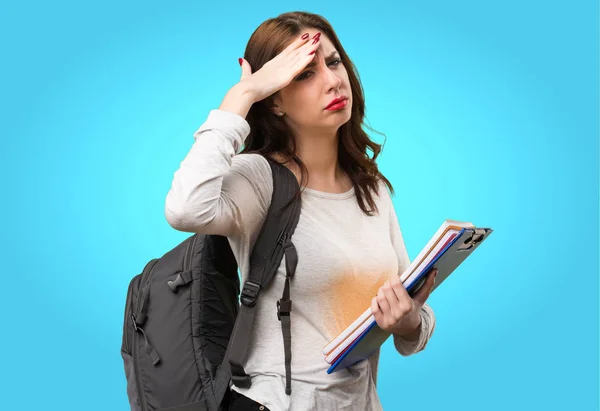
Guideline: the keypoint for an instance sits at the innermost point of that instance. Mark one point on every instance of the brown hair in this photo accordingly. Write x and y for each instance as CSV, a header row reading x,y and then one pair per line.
x,y
269,134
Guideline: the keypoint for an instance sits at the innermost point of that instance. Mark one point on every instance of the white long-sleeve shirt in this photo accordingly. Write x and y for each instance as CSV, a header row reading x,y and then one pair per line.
x,y
344,257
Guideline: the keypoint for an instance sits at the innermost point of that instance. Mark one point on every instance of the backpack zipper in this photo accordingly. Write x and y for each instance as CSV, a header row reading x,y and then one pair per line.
x,y
285,235
145,274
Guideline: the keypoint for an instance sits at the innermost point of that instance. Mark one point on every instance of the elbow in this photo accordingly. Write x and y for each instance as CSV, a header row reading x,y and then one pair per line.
x,y
176,219
183,217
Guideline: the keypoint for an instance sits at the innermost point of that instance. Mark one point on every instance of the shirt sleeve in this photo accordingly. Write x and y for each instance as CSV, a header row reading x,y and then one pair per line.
x,y
403,346
215,191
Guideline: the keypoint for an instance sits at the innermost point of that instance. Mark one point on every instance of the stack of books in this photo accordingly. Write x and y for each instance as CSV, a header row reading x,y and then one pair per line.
x,y
446,250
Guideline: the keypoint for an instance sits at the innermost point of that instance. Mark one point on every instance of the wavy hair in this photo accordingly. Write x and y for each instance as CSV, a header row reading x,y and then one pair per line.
x,y
269,134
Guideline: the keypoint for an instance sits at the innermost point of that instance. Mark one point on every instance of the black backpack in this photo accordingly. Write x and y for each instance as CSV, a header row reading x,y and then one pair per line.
x,y
185,333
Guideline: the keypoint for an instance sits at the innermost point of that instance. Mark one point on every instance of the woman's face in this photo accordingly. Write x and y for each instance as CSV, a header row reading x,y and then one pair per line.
x,y
304,101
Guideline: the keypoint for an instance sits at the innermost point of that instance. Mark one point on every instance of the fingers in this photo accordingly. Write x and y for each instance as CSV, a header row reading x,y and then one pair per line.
x,y
387,308
302,43
423,294
398,288
383,301
378,313
306,53
312,45
246,69
300,40
399,295
375,310
393,301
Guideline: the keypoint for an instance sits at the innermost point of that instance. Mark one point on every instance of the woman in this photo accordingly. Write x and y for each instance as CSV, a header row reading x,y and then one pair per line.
x,y
300,102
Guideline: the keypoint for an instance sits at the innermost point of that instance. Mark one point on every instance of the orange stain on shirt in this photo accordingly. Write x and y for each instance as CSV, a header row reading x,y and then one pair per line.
x,y
348,296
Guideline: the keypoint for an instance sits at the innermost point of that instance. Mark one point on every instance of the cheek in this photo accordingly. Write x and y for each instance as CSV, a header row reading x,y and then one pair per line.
x,y
302,99
346,79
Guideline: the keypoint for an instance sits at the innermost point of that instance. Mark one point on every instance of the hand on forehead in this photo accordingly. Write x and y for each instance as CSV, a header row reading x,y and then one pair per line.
x,y
325,47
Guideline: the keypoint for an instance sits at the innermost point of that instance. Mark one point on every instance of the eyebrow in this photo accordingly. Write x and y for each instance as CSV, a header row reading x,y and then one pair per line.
x,y
332,55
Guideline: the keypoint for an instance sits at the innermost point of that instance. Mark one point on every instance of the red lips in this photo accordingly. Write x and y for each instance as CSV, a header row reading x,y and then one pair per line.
x,y
336,100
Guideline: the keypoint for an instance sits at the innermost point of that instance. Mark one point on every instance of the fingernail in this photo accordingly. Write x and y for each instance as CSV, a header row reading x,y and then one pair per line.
x,y
305,36
316,40
240,60
312,52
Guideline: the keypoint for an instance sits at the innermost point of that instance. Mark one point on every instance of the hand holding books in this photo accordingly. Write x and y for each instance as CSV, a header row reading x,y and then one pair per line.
x,y
396,311
391,311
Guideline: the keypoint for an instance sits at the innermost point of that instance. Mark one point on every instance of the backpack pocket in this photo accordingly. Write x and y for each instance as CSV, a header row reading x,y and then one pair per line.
x,y
132,390
164,350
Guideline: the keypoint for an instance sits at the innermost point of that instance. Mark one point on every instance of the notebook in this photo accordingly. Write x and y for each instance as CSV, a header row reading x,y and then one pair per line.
x,y
447,230
453,242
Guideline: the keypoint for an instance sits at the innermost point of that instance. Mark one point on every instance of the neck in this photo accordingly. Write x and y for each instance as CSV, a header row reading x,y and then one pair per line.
x,y
319,153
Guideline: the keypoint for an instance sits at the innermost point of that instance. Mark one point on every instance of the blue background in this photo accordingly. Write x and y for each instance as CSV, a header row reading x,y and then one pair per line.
x,y
491,116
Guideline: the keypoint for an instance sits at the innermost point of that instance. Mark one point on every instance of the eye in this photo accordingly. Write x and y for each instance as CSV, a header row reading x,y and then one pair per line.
x,y
306,74
303,75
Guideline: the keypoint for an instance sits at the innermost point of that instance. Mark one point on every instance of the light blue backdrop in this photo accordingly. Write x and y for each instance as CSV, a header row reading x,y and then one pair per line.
x,y
491,116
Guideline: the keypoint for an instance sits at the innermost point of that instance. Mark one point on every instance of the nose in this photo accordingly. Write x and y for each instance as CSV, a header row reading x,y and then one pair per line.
x,y
333,80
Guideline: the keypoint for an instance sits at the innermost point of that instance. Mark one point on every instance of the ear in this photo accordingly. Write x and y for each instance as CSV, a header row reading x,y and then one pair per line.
x,y
275,104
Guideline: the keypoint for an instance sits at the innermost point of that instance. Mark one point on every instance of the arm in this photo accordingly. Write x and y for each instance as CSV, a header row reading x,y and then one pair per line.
x,y
409,344
214,191
417,342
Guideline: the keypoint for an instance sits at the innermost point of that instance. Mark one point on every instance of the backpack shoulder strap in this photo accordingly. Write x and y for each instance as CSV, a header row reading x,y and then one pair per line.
x,y
272,243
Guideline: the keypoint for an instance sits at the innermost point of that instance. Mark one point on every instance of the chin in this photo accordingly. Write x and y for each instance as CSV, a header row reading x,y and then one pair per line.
x,y
339,123
344,116
334,121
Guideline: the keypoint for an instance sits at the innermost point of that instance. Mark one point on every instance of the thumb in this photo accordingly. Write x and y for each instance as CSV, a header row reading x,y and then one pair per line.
x,y
246,69
423,293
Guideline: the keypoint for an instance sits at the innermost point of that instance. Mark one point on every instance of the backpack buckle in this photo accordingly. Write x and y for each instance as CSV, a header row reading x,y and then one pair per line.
x,y
283,308
250,293
182,279
242,381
